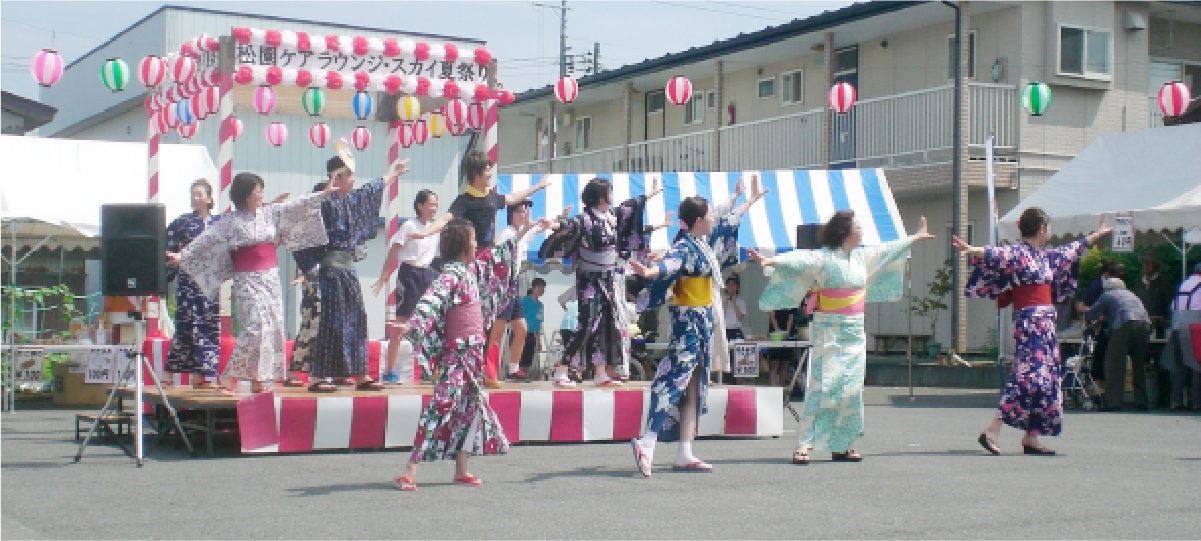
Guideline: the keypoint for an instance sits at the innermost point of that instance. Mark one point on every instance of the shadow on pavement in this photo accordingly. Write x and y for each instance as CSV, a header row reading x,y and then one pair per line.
x,y
585,472
333,489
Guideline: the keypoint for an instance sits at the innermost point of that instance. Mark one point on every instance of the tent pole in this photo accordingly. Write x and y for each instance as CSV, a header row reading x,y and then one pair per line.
x,y
10,393
909,323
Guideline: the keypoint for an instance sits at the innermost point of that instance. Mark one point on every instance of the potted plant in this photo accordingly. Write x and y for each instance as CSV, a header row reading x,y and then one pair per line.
x,y
935,302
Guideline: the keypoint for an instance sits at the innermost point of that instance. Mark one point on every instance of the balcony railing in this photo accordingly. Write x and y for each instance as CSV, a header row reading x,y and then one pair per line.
x,y
903,129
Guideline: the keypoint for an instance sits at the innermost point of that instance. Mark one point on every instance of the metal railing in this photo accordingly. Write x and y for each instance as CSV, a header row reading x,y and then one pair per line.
x,y
787,142
1156,114
688,152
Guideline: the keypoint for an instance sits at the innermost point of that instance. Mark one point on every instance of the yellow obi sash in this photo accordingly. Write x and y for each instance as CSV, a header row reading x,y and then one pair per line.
x,y
842,301
693,291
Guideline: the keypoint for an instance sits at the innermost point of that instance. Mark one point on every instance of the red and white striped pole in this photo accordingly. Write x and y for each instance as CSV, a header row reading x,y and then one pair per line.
x,y
393,209
152,196
491,116
225,155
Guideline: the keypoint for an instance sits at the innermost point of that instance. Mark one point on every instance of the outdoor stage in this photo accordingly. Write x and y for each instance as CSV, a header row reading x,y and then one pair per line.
x,y
293,420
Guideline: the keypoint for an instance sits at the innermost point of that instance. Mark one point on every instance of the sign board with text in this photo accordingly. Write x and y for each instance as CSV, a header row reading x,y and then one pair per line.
x,y
746,360
1123,232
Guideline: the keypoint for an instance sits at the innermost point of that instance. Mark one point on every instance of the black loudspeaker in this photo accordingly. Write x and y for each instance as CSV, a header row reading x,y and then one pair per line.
x,y
807,236
133,248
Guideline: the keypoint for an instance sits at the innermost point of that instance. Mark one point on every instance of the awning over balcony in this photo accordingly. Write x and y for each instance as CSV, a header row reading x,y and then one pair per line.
x,y
796,198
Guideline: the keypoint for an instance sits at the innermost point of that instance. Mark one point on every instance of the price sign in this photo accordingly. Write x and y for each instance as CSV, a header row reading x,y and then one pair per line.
x,y
1123,232
122,357
99,366
746,360
30,362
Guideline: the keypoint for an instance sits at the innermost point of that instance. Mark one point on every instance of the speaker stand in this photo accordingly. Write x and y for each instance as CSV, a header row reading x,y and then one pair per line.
x,y
134,370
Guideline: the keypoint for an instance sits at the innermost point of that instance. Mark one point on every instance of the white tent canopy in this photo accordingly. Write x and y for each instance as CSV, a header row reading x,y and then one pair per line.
x,y
1151,174
56,186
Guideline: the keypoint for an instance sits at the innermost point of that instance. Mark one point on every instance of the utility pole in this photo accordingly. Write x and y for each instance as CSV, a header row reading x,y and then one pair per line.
x,y
595,57
563,38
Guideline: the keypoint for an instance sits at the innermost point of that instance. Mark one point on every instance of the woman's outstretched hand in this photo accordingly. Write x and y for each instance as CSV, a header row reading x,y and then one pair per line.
x,y
923,233
757,257
645,272
965,248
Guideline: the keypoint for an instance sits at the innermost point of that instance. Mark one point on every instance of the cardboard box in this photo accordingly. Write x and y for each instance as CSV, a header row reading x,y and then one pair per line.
x,y
69,389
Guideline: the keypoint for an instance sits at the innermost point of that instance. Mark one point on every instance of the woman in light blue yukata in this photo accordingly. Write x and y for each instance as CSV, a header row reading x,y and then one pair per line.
x,y
845,277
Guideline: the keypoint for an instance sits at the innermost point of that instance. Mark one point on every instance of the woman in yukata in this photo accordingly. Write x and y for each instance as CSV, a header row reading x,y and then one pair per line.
x,y
1033,278
447,329
241,246
692,269
196,346
845,277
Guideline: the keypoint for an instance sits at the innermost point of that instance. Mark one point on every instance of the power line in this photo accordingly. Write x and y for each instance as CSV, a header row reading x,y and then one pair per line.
x,y
747,6
52,31
774,19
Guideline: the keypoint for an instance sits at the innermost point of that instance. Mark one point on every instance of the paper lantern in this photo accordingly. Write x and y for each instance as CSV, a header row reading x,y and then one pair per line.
x,y
182,68
361,137
437,124
475,116
197,108
1173,98
505,97
362,104
114,73
236,128
160,122
277,133
264,100
188,131
183,111
678,90
211,98
404,135
421,132
151,70
456,129
47,67
171,113
313,100
566,89
1036,97
456,113
842,98
319,134
408,108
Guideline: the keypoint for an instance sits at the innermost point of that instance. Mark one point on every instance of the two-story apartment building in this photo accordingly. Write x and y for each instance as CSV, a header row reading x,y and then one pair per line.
x,y
759,103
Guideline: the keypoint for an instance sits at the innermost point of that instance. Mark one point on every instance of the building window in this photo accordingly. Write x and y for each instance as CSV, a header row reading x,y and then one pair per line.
x,y
583,133
971,55
1085,52
711,99
694,110
767,88
792,87
655,101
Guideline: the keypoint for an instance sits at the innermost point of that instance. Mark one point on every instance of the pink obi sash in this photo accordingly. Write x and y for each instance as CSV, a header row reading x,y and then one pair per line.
x,y
842,301
255,258
465,321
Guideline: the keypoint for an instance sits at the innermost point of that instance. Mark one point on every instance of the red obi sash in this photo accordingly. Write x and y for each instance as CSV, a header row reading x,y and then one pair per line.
x,y
256,257
1026,296
464,321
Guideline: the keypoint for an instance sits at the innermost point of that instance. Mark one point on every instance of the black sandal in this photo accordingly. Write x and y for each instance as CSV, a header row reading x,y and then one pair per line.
x,y
369,386
849,456
988,445
1041,451
323,387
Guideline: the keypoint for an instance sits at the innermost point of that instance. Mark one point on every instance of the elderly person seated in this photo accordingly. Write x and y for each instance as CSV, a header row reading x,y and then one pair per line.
x,y
1129,331
1181,354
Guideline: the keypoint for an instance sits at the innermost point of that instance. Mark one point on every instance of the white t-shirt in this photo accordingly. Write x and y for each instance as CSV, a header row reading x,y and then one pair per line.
x,y
416,252
732,321
522,245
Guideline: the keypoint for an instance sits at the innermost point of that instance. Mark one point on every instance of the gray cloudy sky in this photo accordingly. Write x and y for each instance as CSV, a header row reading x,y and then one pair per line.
x,y
523,36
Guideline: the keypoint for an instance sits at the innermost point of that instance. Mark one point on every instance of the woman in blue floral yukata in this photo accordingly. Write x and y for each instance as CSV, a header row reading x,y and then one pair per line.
x,y
1033,278
845,276
196,346
692,270
447,330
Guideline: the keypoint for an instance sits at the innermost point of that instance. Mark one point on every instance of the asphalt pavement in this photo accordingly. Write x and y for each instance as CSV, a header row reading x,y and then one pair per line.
x,y
1117,475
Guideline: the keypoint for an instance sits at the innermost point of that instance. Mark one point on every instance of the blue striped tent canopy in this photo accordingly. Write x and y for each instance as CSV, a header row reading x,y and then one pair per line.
x,y
796,198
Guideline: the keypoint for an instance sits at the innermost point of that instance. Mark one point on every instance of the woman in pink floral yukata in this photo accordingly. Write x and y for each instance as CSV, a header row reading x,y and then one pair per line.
x,y
447,329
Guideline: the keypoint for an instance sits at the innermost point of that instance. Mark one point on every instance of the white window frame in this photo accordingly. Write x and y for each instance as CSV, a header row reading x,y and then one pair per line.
x,y
973,55
795,75
1094,76
696,109
579,122
711,100
758,88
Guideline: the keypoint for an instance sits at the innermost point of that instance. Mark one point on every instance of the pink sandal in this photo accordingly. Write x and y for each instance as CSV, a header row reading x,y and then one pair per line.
x,y
469,480
699,466
405,484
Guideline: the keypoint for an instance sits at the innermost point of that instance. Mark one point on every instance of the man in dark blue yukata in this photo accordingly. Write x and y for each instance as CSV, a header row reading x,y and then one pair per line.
x,y
351,216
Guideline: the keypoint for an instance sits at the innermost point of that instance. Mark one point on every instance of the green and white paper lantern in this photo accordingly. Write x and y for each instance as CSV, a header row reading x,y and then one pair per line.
x,y
314,101
114,73
1036,97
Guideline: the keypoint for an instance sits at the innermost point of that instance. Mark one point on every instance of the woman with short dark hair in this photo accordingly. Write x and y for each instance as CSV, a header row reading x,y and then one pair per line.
x,y
1031,277
241,246
196,345
845,276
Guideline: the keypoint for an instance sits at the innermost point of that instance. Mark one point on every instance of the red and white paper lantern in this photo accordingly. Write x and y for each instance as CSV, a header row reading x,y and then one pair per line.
x,y
264,100
152,70
197,107
421,132
1174,98
456,113
678,90
475,116
188,131
361,137
237,126
566,89
182,68
211,98
455,129
842,98
277,133
319,134
404,135
47,68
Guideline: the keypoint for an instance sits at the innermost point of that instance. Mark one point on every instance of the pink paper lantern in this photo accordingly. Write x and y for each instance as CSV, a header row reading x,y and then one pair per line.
x,y
456,113
197,108
842,98
236,127
211,97
277,133
319,134
182,68
264,100
47,68
566,89
404,135
188,131
361,137
171,113
421,132
1174,98
152,70
679,90
475,116
455,129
